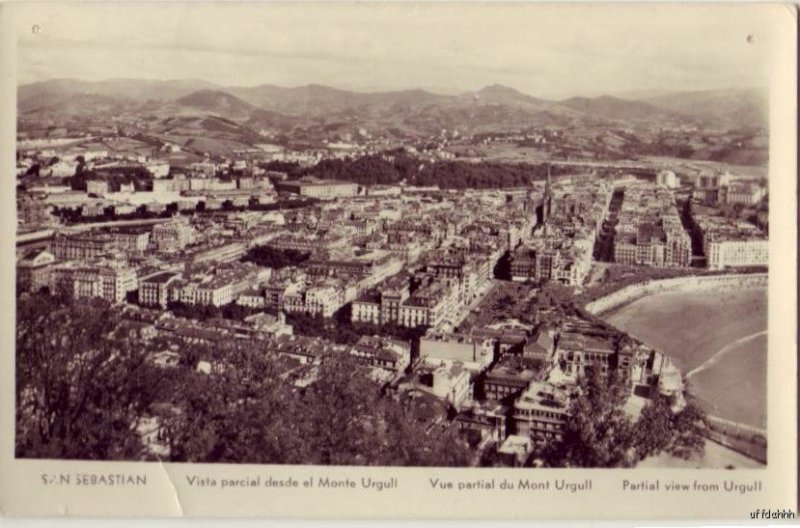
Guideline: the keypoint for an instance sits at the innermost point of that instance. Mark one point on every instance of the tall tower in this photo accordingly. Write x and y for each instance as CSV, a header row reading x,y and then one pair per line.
x,y
547,201
548,183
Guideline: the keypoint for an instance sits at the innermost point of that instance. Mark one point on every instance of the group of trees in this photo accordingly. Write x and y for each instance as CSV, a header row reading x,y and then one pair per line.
x,y
275,258
290,168
555,297
82,395
660,430
204,312
139,176
243,415
75,214
340,329
79,394
381,169
484,175
600,433
368,170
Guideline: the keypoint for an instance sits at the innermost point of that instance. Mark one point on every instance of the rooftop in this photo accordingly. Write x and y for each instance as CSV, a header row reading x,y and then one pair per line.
x,y
161,278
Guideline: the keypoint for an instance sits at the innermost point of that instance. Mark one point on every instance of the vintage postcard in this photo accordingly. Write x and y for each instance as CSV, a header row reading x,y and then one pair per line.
x,y
377,259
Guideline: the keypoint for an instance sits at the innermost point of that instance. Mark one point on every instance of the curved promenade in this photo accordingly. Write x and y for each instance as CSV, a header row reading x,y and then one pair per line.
x,y
746,438
636,291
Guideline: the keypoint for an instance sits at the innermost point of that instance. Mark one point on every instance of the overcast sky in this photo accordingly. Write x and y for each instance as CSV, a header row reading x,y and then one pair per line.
x,y
543,50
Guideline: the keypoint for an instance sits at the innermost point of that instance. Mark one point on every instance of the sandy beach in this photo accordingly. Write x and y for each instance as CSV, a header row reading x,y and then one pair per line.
x,y
717,337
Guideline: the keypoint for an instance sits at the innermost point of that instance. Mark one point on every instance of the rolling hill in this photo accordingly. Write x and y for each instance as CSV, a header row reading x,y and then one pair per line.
x,y
308,101
218,102
56,91
616,108
316,110
742,108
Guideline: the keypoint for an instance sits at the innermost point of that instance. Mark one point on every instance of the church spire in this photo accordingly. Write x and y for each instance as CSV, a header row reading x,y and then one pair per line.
x,y
547,201
547,185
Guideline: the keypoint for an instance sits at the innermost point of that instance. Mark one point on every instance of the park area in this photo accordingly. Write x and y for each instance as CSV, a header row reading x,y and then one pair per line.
x,y
505,300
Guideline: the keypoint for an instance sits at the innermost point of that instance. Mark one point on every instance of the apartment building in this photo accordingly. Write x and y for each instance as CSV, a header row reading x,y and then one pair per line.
x,y
172,235
34,270
318,188
731,243
155,289
540,412
111,282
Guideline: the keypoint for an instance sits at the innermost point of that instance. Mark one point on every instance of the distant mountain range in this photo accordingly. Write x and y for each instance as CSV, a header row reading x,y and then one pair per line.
x,y
615,108
407,112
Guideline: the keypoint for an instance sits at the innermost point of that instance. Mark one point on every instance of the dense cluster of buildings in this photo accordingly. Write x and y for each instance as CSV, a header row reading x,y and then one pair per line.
x,y
390,258
220,286
121,177
649,230
569,219
722,188
729,243
450,260
508,383
98,277
437,294
355,249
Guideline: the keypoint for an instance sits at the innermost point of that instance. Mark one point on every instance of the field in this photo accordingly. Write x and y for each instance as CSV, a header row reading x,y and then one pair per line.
x,y
207,144
513,154
714,337
502,152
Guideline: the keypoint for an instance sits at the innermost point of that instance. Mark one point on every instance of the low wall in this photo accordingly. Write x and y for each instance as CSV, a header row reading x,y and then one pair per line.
x,y
635,291
744,439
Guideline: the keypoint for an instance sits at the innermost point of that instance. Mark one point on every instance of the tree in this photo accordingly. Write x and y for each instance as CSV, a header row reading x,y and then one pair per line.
x,y
654,428
200,312
342,424
660,429
33,170
85,381
598,432
556,297
247,412
688,432
275,258
79,393
240,413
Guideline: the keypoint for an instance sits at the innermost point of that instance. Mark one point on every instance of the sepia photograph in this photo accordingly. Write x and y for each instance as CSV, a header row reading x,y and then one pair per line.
x,y
396,235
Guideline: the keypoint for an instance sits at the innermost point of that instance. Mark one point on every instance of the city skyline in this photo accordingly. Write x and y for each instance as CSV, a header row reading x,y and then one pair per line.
x,y
210,230
534,49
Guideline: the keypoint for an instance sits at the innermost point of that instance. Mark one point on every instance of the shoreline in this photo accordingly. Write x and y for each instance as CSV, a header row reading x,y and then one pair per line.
x,y
712,349
613,310
606,305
